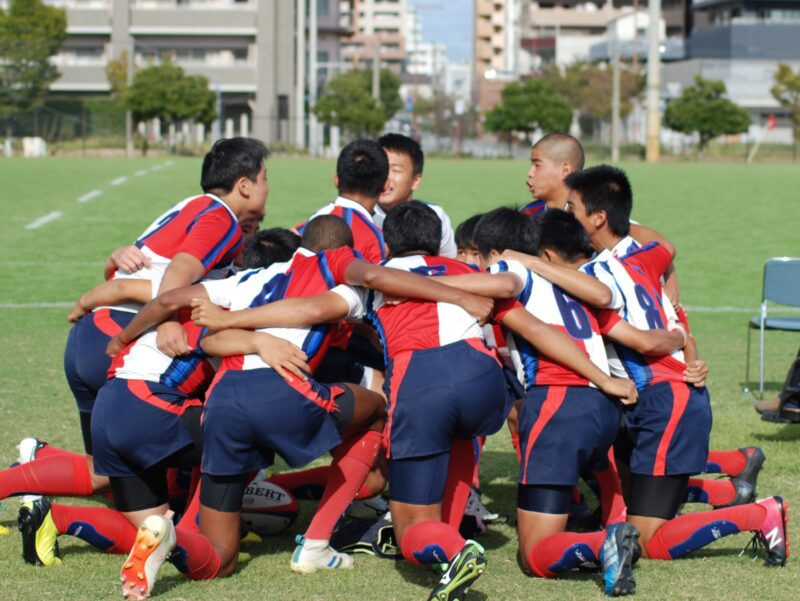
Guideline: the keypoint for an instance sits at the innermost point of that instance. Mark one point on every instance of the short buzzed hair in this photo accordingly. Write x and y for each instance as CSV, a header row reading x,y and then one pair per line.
x,y
326,232
562,148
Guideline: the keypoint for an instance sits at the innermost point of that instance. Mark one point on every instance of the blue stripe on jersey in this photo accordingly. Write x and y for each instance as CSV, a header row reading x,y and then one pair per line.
x,y
161,224
214,204
181,368
636,366
371,316
301,228
273,290
325,270
347,215
247,275
313,342
375,230
641,249
430,270
605,266
214,252
525,295
530,360
502,266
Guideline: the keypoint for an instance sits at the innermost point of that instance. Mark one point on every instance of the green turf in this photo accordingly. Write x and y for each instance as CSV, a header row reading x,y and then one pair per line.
x,y
725,219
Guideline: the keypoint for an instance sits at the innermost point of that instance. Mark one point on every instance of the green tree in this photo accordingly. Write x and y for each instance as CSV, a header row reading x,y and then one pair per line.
x,y
164,91
787,91
117,75
348,102
703,108
529,105
30,33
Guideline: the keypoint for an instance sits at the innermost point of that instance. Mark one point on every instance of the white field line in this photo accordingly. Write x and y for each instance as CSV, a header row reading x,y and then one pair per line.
x,y
90,196
141,173
44,220
156,167
119,181
169,163
726,309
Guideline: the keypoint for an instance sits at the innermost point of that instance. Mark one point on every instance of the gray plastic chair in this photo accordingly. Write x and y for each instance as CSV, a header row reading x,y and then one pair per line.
x,y
782,286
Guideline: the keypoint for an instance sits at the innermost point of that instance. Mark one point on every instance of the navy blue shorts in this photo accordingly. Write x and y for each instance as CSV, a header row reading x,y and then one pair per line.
x,y
252,414
563,430
669,428
137,425
441,394
85,360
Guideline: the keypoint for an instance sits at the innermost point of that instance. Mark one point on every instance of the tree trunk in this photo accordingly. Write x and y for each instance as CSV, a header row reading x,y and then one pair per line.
x,y
9,151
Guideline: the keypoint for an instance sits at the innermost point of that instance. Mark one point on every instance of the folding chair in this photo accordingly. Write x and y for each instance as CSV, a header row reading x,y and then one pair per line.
x,y
782,286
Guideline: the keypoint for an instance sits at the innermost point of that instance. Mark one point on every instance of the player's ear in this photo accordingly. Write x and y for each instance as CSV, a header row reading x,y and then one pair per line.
x,y
547,255
336,181
243,186
566,169
417,182
599,219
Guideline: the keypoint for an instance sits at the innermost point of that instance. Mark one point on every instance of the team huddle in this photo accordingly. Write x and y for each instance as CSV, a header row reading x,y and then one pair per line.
x,y
378,334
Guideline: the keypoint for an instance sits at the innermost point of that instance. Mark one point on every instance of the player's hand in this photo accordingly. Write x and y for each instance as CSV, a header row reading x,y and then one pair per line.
x,y
393,300
479,307
528,261
77,312
282,356
114,347
172,340
130,258
624,389
696,372
208,315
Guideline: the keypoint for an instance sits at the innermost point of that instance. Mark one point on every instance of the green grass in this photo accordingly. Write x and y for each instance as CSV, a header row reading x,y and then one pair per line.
x,y
726,220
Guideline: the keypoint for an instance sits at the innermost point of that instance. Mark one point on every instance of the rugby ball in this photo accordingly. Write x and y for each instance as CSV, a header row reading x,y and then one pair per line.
x,y
268,508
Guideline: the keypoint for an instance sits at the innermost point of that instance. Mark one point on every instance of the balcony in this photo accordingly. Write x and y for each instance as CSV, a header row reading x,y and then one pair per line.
x,y
82,78
92,19
167,18
566,17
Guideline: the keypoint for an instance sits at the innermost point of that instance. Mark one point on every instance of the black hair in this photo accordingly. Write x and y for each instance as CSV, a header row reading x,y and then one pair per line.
x,y
266,247
412,227
326,232
605,188
228,160
562,233
404,145
465,232
506,228
562,148
362,168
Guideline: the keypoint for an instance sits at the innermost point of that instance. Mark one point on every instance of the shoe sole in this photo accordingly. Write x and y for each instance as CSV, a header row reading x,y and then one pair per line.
x,y
623,582
312,568
134,574
28,528
459,586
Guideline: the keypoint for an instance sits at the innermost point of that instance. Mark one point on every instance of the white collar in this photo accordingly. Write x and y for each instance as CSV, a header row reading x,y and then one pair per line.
x,y
303,251
341,201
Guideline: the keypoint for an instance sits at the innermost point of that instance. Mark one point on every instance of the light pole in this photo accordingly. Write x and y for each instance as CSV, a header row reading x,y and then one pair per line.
x,y
654,83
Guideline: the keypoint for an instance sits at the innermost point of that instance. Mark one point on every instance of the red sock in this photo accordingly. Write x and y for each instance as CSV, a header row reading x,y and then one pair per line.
x,y
305,484
195,556
478,443
693,531
352,461
713,492
457,487
564,551
49,450
191,515
726,462
103,528
364,493
515,442
59,475
431,542
612,503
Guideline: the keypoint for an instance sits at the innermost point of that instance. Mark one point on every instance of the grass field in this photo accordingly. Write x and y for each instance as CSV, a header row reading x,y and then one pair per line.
x,y
726,220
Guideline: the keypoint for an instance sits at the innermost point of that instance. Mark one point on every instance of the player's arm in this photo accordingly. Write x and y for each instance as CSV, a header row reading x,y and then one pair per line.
x,y
645,236
492,285
111,292
327,307
402,284
281,355
558,346
129,258
154,313
648,342
182,271
696,369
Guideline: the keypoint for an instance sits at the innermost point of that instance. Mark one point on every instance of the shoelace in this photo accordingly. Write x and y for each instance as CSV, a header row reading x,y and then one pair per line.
x,y
756,544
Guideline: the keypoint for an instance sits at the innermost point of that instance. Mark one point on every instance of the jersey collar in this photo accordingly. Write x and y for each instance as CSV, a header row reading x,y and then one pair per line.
x,y
341,201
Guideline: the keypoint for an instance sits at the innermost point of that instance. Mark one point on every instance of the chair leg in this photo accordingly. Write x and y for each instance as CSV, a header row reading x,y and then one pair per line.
x,y
761,365
747,360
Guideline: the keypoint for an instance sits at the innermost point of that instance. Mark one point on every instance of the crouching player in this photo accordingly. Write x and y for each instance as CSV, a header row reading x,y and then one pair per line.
x,y
669,428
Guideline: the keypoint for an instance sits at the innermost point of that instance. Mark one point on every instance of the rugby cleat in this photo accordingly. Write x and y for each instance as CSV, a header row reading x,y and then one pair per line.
x,y
155,540
374,508
774,534
617,555
39,533
744,493
27,448
463,571
755,461
475,507
311,555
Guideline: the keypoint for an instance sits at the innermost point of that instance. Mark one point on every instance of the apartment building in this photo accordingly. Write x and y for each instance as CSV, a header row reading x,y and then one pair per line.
x,y
378,26
246,49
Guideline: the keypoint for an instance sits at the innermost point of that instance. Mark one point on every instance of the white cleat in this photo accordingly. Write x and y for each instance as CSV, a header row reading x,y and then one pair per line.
x,y
313,555
27,448
155,540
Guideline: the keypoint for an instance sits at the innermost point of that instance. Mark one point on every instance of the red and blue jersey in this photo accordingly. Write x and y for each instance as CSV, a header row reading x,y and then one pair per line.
x,y
367,236
534,207
552,305
416,325
142,360
447,245
307,274
634,281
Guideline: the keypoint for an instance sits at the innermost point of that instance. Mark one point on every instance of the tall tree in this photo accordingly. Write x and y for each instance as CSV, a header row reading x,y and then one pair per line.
x,y
703,108
529,105
30,33
348,102
787,91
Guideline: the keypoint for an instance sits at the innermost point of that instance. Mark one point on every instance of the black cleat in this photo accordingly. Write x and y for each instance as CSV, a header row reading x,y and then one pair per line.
x,y
39,533
464,570
755,461
617,555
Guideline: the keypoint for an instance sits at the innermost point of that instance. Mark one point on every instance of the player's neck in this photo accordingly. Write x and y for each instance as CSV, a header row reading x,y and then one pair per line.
x,y
557,200
604,239
368,202
234,202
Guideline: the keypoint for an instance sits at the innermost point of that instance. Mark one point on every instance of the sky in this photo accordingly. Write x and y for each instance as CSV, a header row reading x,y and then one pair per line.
x,y
447,22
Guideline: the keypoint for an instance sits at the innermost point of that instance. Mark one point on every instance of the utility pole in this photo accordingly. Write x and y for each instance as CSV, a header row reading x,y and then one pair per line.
x,y
313,31
300,77
615,95
376,68
635,70
654,83
128,113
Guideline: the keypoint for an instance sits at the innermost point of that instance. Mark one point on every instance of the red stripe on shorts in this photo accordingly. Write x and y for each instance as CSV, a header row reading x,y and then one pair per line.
x,y
680,398
104,323
399,367
479,345
142,391
552,403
